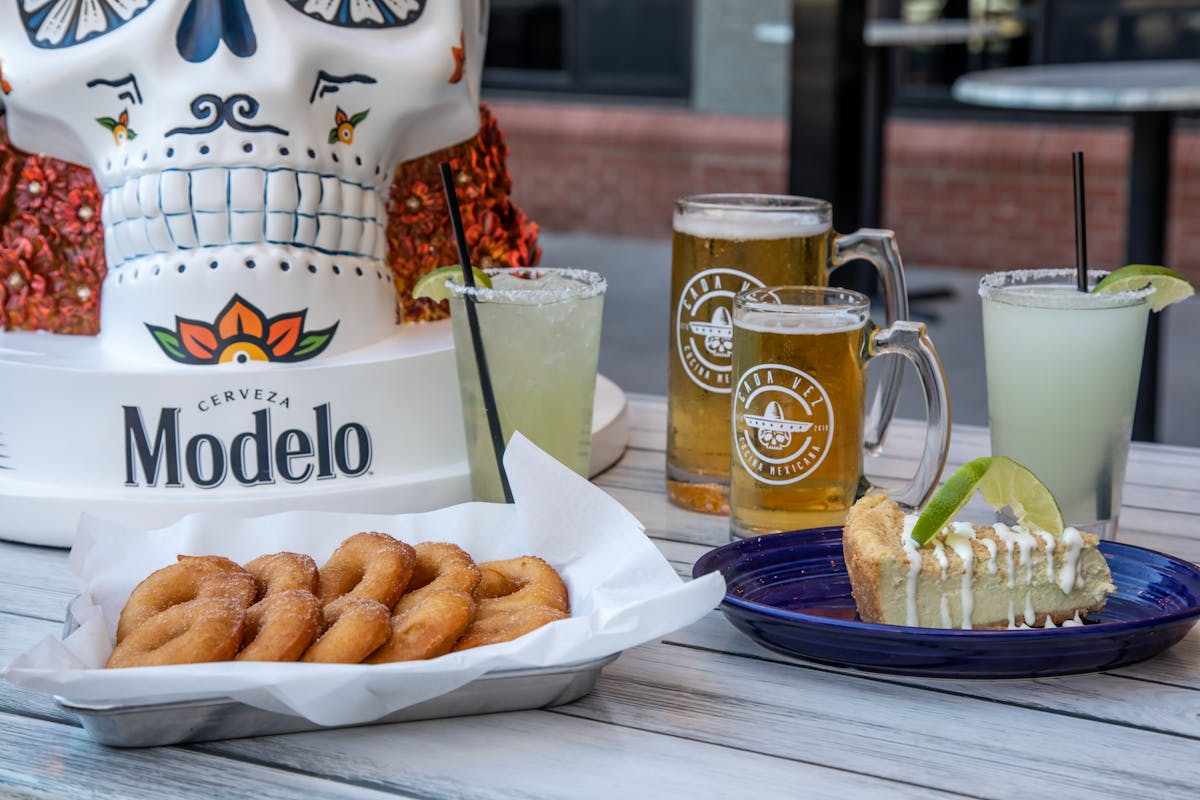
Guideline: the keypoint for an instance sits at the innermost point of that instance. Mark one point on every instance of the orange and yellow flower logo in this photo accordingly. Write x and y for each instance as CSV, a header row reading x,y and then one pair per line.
x,y
119,128
344,125
241,334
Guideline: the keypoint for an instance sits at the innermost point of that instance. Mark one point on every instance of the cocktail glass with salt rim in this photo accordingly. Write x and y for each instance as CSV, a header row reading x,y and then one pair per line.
x,y
541,334
1062,378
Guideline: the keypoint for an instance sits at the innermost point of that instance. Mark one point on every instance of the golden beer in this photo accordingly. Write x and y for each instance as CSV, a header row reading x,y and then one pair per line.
x,y
723,245
798,408
798,411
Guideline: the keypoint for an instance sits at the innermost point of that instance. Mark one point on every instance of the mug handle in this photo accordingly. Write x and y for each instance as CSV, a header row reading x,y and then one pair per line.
x,y
910,340
879,248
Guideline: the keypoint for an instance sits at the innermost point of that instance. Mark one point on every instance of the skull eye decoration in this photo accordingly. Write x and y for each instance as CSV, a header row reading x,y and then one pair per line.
x,y
362,13
56,24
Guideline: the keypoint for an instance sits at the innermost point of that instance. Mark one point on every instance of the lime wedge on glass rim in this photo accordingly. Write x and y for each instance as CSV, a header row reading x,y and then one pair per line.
x,y
1169,286
433,284
1003,483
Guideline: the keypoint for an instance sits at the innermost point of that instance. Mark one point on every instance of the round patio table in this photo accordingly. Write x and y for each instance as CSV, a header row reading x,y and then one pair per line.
x,y
1151,93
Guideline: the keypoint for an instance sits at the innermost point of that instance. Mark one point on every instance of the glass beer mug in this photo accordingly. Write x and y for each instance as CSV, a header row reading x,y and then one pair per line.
x,y
800,358
724,244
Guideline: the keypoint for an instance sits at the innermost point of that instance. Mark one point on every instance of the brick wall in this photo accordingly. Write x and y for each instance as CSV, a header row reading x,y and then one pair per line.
x,y
974,195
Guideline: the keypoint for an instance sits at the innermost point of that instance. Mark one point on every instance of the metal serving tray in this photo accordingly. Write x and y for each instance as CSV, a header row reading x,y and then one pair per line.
x,y
153,724
161,723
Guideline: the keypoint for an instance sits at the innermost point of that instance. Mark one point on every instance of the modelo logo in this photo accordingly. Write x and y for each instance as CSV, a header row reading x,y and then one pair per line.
x,y
253,458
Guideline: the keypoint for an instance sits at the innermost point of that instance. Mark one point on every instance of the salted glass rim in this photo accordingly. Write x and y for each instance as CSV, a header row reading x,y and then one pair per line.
x,y
583,283
1019,287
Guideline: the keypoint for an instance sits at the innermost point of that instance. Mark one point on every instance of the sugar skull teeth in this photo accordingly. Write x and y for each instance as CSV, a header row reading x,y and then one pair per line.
x,y
179,210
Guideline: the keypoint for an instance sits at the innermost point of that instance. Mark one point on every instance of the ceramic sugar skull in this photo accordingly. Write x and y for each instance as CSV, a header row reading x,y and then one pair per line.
x,y
244,148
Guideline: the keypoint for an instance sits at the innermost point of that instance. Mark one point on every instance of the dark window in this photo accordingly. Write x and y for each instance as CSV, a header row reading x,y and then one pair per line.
x,y
614,47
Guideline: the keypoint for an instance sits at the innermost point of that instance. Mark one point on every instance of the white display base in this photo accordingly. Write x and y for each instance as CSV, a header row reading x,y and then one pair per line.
x,y
82,431
69,441
610,426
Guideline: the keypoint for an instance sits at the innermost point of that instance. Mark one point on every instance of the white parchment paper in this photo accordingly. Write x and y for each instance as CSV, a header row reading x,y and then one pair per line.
x,y
623,593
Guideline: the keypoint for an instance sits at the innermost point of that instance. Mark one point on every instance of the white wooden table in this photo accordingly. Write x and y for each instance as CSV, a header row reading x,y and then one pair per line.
x,y
704,713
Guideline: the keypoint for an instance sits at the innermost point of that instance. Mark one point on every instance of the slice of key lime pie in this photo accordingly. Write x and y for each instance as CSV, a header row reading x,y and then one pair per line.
x,y
930,571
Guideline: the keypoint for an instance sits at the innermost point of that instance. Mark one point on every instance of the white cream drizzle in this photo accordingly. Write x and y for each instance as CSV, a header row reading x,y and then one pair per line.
x,y
1019,545
939,552
992,567
1070,575
1024,543
914,570
961,545
1048,539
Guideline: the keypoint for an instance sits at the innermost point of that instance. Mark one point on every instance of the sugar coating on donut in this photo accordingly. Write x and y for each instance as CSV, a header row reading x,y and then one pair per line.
x,y
370,565
442,565
282,572
281,626
190,578
198,631
355,626
515,596
427,628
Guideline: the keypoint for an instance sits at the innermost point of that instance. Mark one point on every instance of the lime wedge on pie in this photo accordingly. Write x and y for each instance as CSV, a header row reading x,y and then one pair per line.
x,y
932,571
433,284
1169,286
1004,484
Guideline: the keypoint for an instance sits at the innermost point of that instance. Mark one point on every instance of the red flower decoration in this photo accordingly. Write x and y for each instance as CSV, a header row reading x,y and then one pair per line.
x,y
419,234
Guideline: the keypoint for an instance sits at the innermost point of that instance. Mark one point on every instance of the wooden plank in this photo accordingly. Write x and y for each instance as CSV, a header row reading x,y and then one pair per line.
x,y
604,754
18,634
45,759
37,580
957,743
1161,695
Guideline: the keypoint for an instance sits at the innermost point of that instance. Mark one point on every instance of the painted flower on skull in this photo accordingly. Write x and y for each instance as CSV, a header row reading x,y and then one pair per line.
x,y
241,334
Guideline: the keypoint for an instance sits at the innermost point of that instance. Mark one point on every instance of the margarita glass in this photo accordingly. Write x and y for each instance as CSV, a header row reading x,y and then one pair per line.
x,y
1062,379
541,335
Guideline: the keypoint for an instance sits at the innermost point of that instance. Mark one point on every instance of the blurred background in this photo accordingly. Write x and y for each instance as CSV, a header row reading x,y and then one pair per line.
x,y
613,108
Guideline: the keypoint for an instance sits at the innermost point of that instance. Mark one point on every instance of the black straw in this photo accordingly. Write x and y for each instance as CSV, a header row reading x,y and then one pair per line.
x,y
1081,281
485,378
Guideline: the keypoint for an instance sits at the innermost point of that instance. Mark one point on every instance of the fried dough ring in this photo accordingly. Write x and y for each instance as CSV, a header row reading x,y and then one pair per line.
x,y
428,628
370,565
197,631
514,597
355,626
281,626
190,578
493,627
436,609
283,572
442,565
520,580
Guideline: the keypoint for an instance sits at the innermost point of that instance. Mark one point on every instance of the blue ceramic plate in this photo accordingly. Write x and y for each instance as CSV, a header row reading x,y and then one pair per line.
x,y
790,592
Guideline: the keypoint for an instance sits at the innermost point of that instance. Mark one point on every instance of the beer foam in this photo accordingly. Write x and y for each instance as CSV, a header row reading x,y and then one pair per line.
x,y
738,224
800,321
